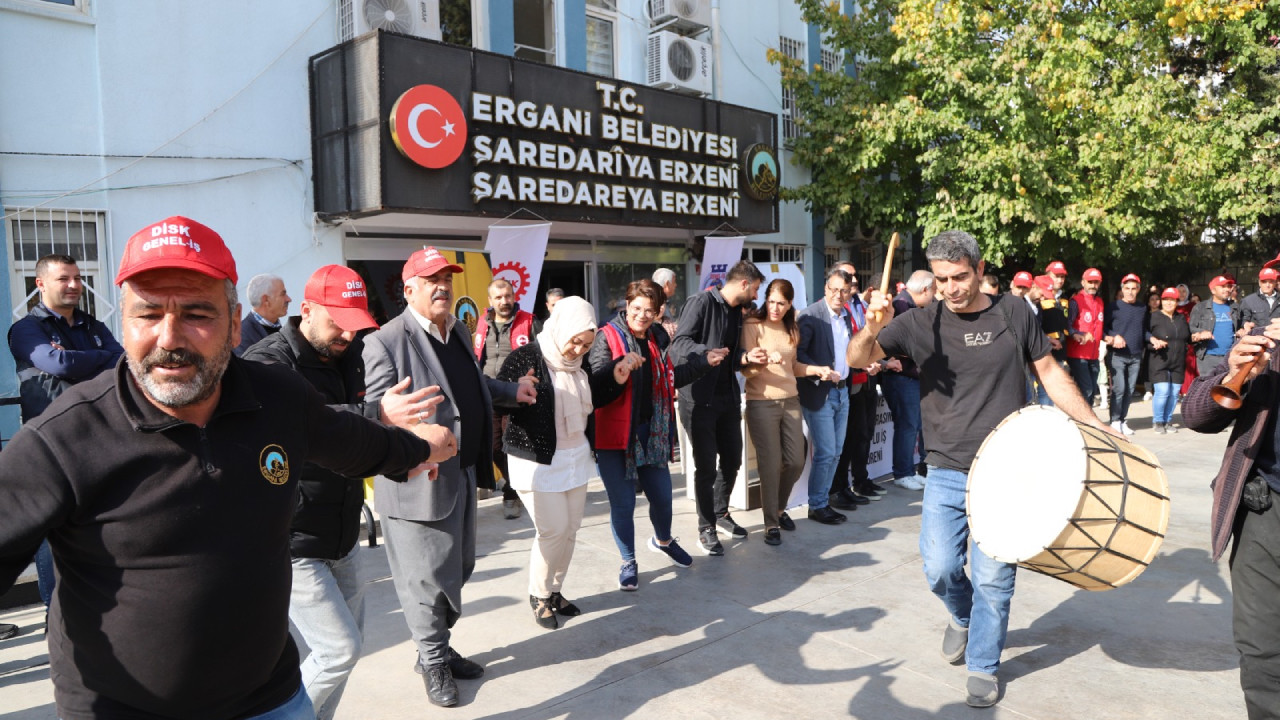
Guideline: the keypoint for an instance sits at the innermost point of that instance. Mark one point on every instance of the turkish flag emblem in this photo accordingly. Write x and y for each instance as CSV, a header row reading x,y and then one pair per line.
x,y
428,126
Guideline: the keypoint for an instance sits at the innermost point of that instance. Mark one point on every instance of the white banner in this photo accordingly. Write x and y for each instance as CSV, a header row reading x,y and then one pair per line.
x,y
516,253
720,254
784,271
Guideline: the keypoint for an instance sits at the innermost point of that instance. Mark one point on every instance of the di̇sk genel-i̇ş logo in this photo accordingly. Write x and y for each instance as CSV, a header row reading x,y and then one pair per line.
x,y
428,126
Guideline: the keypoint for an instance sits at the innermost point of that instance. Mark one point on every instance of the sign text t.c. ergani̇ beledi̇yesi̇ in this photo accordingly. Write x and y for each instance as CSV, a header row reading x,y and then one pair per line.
x,y
620,120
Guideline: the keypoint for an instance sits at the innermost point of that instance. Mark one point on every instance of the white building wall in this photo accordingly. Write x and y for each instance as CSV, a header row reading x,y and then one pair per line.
x,y
215,93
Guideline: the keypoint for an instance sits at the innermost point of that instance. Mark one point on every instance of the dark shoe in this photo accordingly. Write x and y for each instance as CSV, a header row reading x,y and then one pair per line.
x,y
786,523
672,550
865,491
709,543
729,528
772,536
564,607
954,643
464,669
983,690
826,516
543,613
876,487
846,500
441,689
8,630
629,576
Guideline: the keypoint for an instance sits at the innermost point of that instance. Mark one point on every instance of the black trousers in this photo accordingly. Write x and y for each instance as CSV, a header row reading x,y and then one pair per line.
x,y
713,433
857,438
1255,613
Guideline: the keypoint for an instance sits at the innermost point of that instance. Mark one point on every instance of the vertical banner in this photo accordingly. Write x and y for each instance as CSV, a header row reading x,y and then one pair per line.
x,y
719,254
516,252
784,271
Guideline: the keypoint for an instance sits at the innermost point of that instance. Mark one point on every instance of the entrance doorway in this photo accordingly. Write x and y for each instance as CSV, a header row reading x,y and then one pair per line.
x,y
570,276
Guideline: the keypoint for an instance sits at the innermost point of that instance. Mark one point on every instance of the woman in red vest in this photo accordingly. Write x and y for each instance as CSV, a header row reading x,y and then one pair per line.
x,y
633,390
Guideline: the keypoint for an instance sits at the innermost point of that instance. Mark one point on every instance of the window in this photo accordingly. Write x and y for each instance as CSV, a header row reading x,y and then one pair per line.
x,y
602,19
535,24
36,233
455,22
790,254
65,9
790,113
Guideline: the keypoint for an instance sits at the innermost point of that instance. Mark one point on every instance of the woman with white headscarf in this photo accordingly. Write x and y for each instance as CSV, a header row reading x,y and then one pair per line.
x,y
547,449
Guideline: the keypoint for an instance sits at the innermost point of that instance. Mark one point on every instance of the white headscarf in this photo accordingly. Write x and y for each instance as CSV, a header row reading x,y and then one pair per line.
x,y
572,315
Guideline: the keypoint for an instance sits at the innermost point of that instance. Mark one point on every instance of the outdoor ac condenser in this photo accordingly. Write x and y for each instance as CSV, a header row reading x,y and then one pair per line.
x,y
678,63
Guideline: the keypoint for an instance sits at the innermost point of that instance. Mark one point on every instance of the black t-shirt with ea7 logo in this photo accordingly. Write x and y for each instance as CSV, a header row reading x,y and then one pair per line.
x,y
971,371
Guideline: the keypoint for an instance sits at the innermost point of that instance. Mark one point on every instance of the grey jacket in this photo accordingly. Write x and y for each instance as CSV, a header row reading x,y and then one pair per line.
x,y
1202,319
401,348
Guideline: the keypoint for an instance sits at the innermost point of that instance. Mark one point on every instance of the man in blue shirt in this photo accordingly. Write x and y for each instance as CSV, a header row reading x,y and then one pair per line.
x,y
55,346
1214,324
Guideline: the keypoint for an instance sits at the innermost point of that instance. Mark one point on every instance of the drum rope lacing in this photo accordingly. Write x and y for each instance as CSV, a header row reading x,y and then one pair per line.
x,y
1122,475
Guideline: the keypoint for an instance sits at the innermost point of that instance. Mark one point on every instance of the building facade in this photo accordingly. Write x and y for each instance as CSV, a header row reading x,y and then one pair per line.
x,y
119,114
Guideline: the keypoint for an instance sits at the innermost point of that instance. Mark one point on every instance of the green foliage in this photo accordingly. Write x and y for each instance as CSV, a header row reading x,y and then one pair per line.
x,y
1099,130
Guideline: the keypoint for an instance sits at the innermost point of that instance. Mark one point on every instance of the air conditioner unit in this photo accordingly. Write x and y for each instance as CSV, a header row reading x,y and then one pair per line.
x,y
682,14
408,17
678,63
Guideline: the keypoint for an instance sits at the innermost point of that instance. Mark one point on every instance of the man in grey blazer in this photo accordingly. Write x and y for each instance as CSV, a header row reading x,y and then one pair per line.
x,y
825,331
430,524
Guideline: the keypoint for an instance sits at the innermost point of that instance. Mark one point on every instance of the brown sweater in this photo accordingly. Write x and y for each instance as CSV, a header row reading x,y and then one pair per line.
x,y
775,381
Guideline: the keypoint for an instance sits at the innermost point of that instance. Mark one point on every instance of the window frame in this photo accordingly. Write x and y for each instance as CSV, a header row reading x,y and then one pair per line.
x,y
611,17
98,300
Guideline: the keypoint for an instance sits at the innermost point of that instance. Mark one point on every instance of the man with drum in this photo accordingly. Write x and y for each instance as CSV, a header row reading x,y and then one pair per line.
x,y
973,351
1245,505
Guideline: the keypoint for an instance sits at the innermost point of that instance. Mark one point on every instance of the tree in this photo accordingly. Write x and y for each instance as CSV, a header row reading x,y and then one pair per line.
x,y
1046,128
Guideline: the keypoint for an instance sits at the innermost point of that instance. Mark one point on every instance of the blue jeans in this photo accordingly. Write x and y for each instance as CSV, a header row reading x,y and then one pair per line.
x,y
1164,401
903,395
826,432
980,604
297,707
45,578
1124,377
1085,373
655,481
327,606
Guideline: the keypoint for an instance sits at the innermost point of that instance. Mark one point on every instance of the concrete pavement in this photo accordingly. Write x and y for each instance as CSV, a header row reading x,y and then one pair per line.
x,y
835,622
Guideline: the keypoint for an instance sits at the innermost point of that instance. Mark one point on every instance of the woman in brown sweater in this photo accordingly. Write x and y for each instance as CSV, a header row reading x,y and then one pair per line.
x,y
773,404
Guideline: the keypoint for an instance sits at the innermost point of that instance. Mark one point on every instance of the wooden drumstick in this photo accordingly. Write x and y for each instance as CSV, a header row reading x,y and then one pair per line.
x,y
888,267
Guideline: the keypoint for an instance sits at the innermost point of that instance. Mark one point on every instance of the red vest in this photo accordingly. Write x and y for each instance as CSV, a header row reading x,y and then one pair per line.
x,y
521,326
1088,320
613,421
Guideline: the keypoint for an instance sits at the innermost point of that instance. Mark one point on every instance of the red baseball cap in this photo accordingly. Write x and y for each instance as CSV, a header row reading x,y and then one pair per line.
x,y
1169,293
1268,273
1093,274
1022,279
1056,268
342,292
1222,280
427,261
1045,283
1131,278
179,243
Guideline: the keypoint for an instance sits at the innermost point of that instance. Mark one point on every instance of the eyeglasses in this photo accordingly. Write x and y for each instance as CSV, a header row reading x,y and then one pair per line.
x,y
643,312
836,290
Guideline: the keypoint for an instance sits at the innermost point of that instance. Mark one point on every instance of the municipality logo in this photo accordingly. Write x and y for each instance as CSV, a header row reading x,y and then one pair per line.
x,y
274,464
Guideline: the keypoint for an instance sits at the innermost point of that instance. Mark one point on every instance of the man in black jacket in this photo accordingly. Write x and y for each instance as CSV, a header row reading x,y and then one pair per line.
x,y
710,407
166,490
326,603
1261,307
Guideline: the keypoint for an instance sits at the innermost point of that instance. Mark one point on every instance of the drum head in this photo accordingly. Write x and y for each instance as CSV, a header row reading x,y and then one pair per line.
x,y
1025,483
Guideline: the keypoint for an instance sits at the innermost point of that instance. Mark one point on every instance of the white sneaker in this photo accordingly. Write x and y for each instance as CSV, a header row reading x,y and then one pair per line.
x,y
1124,428
909,483
1118,426
1146,397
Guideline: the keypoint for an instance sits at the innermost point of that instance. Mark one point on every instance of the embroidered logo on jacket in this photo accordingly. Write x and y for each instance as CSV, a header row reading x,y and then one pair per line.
x,y
274,464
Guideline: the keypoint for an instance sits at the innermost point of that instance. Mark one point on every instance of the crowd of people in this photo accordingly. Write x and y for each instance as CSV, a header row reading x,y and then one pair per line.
x,y
194,430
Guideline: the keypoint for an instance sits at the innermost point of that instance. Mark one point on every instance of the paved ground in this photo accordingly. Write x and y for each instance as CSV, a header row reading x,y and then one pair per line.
x,y
836,622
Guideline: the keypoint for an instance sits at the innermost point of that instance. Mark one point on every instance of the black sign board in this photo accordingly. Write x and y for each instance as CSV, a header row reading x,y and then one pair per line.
x,y
410,125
